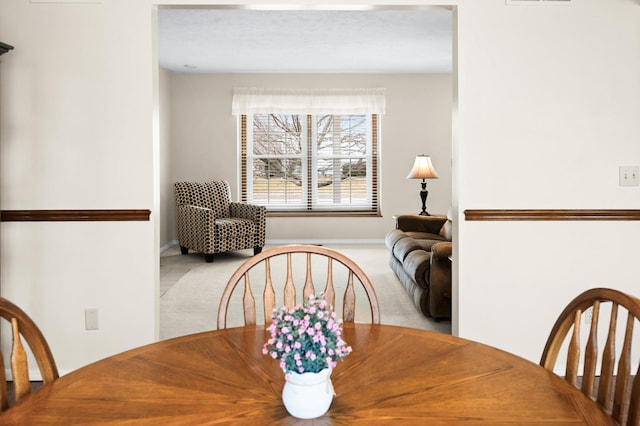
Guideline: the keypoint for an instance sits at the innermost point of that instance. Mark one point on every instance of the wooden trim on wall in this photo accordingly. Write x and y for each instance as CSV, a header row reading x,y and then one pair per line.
x,y
73,215
501,215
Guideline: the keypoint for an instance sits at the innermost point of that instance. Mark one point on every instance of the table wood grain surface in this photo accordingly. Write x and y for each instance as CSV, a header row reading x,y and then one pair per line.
x,y
394,376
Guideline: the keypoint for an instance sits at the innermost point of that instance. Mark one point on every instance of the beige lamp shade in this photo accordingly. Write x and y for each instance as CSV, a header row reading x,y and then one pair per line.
x,y
422,168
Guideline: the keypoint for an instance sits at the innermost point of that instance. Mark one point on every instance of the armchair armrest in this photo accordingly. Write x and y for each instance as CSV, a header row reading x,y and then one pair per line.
x,y
255,213
415,223
194,226
248,211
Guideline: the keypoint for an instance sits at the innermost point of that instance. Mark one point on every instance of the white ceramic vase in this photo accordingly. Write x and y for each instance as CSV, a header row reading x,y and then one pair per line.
x,y
308,395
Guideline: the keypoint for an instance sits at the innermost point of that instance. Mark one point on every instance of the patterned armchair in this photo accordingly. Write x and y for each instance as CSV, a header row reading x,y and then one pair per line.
x,y
209,222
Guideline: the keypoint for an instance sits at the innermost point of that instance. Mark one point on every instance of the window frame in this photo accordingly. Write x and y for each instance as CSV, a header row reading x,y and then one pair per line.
x,y
309,205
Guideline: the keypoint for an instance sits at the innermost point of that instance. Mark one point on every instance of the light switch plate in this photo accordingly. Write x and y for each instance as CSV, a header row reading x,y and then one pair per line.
x,y
629,176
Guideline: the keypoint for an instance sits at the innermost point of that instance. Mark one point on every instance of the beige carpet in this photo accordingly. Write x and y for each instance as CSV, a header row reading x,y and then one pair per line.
x,y
192,289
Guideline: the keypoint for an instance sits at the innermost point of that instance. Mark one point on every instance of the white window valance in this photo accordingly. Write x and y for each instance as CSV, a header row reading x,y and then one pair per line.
x,y
308,101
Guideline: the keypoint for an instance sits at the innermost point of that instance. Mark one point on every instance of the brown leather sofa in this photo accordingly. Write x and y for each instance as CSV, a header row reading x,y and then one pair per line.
x,y
420,248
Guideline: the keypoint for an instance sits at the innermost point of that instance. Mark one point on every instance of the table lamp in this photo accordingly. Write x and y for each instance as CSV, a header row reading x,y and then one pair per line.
x,y
423,169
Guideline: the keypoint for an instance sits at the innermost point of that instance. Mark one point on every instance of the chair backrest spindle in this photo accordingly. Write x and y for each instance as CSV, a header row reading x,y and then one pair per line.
x,y
308,288
249,302
269,295
591,353
19,365
349,303
329,293
573,356
289,288
608,362
621,399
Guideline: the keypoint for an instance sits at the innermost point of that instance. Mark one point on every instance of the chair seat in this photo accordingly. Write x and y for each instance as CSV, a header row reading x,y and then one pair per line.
x,y
234,227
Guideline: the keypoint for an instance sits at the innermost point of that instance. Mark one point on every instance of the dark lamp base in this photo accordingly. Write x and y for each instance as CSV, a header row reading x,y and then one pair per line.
x,y
423,198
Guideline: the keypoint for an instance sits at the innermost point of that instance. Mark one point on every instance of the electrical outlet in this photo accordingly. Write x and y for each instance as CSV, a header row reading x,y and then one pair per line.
x,y
588,315
629,175
91,319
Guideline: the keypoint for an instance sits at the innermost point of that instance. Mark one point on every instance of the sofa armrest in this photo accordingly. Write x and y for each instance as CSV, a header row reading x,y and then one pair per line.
x,y
248,211
442,251
440,280
415,223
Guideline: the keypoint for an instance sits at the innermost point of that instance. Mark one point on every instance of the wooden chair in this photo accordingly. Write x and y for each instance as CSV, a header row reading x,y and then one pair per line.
x,y
22,325
289,290
618,394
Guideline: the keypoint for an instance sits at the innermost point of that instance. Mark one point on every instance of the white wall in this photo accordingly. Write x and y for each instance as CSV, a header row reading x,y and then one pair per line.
x,y
77,133
549,99
204,144
547,95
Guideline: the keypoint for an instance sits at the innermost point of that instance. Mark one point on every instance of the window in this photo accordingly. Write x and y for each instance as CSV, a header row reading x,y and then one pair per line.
x,y
311,163
304,162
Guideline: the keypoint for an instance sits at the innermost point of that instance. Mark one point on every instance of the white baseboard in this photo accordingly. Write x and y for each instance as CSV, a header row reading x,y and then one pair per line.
x,y
300,241
168,246
324,242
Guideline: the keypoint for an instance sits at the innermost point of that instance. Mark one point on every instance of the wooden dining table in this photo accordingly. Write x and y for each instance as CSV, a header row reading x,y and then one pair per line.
x,y
394,375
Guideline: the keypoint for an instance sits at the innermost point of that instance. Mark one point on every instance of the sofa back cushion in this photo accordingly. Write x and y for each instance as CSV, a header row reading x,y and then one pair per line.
x,y
405,246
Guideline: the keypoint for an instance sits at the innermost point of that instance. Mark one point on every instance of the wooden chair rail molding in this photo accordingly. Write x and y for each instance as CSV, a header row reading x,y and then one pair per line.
x,y
74,215
499,215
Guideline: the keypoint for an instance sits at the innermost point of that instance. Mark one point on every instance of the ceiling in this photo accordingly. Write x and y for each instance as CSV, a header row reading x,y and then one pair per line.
x,y
204,40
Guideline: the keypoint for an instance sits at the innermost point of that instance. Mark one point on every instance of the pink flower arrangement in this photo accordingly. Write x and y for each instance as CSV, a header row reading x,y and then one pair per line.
x,y
306,338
